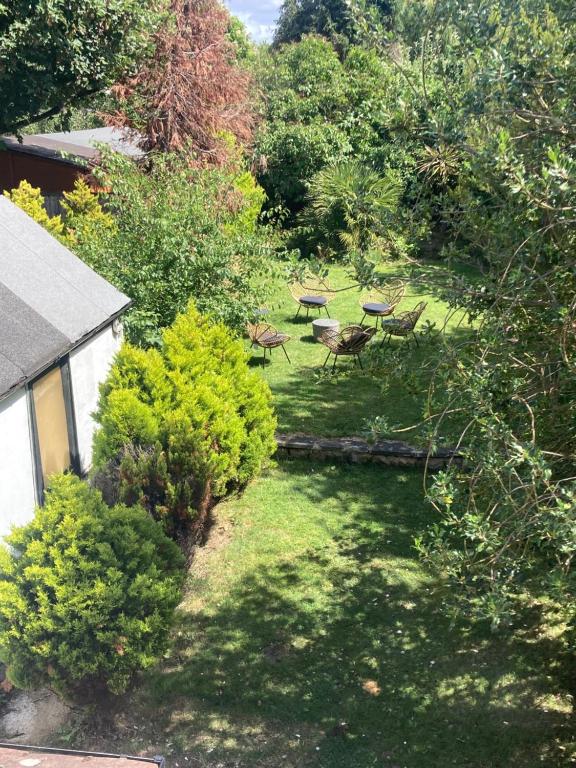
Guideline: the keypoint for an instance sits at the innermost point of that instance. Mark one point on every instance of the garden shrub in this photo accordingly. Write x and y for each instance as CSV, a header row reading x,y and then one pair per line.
x,y
84,217
294,153
181,425
180,232
87,592
31,201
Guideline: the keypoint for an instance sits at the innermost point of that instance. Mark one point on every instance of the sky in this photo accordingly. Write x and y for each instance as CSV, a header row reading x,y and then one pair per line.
x,y
259,16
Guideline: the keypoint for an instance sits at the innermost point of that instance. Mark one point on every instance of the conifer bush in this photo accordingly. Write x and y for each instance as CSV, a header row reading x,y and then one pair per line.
x,y
182,425
87,592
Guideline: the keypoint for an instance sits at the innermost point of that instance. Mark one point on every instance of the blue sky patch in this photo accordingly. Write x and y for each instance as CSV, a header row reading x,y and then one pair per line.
x,y
259,16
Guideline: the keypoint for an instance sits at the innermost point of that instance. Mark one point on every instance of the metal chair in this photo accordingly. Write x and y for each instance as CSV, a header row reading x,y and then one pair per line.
x,y
312,293
349,341
403,324
381,302
267,337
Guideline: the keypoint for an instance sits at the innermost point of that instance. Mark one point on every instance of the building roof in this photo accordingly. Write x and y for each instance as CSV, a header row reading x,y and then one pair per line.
x,y
49,299
75,147
16,756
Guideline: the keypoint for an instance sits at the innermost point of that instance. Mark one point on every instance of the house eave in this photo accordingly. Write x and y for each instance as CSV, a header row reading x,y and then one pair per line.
x,y
66,351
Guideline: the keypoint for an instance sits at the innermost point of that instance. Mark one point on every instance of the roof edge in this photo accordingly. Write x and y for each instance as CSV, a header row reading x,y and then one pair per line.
x,y
70,348
13,145
157,760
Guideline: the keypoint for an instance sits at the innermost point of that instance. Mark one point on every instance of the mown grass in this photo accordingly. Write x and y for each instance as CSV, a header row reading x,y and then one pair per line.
x,y
311,635
339,405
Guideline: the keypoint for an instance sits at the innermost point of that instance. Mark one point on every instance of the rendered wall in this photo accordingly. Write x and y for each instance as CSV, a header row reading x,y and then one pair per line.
x,y
89,366
17,495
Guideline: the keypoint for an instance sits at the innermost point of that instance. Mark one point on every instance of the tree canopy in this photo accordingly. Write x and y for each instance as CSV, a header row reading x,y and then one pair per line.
x,y
54,54
341,21
191,90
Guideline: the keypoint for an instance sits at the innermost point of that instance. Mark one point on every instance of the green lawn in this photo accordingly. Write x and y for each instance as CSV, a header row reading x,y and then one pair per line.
x,y
339,405
308,610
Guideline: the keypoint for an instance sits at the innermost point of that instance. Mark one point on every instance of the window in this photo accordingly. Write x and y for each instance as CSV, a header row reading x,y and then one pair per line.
x,y
53,425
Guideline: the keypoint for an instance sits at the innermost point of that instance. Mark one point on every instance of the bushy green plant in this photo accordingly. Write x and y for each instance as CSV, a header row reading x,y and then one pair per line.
x,y
84,217
181,425
31,201
293,154
87,592
500,172
351,207
364,99
180,233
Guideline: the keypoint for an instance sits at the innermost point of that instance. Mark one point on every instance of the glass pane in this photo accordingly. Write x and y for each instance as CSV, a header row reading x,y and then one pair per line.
x,y
51,423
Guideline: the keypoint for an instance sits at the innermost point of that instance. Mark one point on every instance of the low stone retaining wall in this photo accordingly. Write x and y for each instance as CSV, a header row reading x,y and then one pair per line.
x,y
356,450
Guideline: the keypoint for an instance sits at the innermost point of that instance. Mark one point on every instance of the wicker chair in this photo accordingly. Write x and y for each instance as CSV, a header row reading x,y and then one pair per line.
x,y
267,337
381,302
312,293
403,324
349,341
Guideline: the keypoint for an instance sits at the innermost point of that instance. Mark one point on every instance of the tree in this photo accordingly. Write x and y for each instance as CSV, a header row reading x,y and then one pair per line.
x,y
341,21
55,54
192,89
182,426
502,172
351,207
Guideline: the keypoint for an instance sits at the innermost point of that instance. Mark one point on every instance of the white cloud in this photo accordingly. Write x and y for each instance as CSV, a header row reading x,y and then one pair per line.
x,y
259,17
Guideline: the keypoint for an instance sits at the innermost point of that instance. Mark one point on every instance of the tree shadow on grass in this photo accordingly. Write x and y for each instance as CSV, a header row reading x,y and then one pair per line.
x,y
342,656
310,399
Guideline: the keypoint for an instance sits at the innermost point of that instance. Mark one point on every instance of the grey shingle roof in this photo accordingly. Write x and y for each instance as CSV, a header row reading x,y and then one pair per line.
x,y
79,147
49,299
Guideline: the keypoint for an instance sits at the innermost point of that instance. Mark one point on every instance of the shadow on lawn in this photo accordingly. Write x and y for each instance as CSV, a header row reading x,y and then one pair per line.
x,y
372,673
310,399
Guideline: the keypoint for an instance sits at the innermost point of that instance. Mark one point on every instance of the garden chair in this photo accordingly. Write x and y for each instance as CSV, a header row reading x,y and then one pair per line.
x,y
381,302
312,293
403,324
267,337
349,341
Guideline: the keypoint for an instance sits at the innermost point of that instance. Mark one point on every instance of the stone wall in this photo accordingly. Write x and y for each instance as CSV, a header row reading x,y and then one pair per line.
x,y
357,450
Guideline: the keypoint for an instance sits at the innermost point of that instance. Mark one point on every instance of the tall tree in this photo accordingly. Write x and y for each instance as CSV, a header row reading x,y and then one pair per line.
x,y
192,90
56,53
341,21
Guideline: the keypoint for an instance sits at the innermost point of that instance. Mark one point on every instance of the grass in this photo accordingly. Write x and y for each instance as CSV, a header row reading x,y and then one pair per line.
x,y
338,405
311,635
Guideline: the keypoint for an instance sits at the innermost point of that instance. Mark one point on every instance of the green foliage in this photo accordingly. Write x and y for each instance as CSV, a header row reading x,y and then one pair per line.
x,y
500,173
87,592
311,93
341,21
294,153
180,233
350,207
30,200
55,54
181,426
251,199
84,218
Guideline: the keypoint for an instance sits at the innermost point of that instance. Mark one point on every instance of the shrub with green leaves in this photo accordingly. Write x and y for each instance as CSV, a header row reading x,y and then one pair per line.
x,y
351,207
180,233
182,425
87,592
294,153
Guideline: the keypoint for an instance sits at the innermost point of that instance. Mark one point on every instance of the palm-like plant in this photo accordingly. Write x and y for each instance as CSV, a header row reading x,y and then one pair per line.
x,y
351,205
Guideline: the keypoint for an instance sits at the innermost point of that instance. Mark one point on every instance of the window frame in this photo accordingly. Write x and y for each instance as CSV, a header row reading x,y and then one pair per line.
x,y
64,365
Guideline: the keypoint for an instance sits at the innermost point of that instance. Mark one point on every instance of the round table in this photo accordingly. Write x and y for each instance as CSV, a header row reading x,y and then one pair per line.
x,y
324,324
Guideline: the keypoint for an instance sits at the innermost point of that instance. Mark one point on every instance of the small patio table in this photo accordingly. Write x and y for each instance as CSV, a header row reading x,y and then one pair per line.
x,y
324,324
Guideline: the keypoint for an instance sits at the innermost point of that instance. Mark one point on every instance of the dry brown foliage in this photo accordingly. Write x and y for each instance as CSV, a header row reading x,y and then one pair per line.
x,y
192,90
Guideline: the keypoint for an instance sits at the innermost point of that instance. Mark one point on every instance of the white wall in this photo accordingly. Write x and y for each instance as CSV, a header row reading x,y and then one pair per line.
x,y
17,495
89,366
